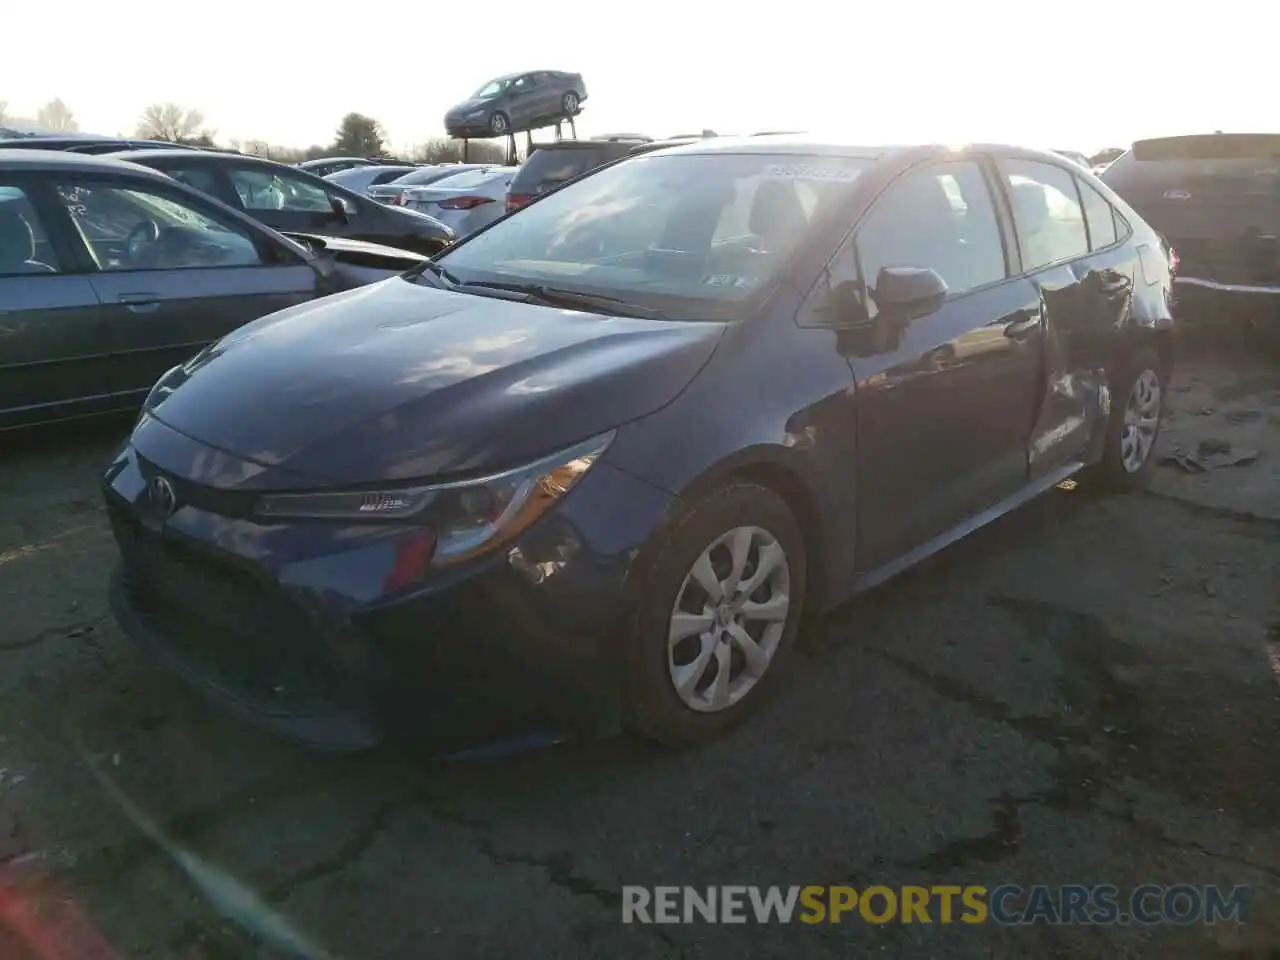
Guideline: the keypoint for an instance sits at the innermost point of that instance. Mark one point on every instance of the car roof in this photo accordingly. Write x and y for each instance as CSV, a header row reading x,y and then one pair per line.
x,y
838,147
76,162
164,153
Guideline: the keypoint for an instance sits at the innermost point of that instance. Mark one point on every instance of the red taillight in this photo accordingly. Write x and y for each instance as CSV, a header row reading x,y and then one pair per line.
x,y
464,203
401,198
516,200
1174,261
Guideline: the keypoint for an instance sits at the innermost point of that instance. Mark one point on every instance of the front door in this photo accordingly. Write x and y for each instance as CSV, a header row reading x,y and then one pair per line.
x,y
174,274
53,347
945,406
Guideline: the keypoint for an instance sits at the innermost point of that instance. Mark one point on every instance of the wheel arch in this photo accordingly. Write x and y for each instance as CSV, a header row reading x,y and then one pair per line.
x,y
784,472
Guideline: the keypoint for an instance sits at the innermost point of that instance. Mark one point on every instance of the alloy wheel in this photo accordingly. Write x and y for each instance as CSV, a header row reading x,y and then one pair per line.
x,y
728,619
1141,420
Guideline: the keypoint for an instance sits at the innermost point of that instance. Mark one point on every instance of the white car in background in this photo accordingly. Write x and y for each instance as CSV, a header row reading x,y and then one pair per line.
x,y
360,179
465,201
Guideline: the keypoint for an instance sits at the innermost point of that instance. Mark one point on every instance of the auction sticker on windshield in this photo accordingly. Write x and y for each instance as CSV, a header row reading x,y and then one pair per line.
x,y
799,171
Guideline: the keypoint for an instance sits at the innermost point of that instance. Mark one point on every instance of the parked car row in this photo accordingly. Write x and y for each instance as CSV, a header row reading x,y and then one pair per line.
x,y
110,273
590,466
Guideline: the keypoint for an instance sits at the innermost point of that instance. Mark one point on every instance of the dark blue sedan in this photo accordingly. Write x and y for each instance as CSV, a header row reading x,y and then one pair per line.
x,y
590,467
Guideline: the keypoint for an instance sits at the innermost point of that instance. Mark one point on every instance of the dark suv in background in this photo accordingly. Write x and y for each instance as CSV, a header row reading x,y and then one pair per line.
x,y
552,165
1216,200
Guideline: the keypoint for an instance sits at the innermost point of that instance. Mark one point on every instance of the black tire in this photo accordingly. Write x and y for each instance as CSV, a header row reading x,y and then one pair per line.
x,y
1111,473
570,103
499,124
653,707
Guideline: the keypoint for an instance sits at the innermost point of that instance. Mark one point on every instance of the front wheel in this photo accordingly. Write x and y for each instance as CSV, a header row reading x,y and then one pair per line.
x,y
717,617
569,103
499,124
1137,407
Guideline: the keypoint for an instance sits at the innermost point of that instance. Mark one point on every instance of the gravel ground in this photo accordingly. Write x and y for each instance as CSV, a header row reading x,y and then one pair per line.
x,y
1088,691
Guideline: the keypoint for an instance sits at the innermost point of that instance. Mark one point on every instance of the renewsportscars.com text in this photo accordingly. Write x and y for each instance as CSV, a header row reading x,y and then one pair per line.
x,y
1097,904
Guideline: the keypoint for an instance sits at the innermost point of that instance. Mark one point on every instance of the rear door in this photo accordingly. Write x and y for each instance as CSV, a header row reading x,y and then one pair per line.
x,y
174,273
1064,289
54,351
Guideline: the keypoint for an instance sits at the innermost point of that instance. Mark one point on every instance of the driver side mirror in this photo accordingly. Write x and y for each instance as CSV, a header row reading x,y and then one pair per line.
x,y
908,293
341,211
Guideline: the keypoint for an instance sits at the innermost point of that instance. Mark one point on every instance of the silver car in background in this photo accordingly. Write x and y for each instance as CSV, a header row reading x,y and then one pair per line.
x,y
360,179
465,201
391,192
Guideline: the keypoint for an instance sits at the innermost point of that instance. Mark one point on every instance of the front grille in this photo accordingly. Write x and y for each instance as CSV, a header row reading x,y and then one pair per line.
x,y
240,631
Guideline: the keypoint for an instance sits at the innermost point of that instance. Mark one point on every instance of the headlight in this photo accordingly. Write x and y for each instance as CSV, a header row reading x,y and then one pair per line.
x,y
466,516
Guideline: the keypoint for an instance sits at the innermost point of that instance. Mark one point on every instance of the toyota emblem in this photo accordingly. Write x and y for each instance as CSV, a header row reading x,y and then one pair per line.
x,y
163,497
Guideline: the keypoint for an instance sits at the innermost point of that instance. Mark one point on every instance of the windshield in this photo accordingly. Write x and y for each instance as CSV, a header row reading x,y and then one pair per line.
x,y
695,236
491,89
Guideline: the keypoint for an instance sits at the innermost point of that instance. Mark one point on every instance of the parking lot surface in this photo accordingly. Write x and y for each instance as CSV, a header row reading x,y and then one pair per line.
x,y
1087,691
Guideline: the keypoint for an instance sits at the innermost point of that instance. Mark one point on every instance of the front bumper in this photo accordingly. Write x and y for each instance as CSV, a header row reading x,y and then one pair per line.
x,y
1203,301
304,629
471,127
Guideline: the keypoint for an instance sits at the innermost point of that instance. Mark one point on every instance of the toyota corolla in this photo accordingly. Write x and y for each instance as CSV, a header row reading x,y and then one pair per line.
x,y
588,468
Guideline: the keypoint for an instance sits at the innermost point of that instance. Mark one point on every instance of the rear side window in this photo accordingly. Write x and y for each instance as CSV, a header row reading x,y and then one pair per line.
x,y
1099,216
386,176
24,246
1047,215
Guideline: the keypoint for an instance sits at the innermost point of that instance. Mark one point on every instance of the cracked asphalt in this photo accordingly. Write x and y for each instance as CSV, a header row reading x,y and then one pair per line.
x,y
1087,691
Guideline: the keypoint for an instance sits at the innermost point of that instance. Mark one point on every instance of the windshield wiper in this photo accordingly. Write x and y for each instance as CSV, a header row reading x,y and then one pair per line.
x,y
433,268
573,299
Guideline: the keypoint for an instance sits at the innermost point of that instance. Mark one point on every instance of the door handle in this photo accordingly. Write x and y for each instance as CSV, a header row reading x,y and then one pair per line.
x,y
140,302
1027,322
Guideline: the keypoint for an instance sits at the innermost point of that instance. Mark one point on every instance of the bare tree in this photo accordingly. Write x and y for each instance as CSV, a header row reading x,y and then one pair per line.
x,y
169,121
441,150
56,115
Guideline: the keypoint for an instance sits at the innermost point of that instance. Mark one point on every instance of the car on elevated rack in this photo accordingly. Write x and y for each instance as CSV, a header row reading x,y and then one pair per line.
x,y
517,101
286,198
110,273
589,467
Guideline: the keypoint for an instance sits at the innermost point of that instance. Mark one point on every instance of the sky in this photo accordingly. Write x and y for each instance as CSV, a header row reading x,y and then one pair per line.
x,y
1060,75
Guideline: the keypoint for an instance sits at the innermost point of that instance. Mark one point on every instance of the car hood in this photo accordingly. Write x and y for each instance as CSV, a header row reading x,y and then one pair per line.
x,y
397,381
466,106
359,252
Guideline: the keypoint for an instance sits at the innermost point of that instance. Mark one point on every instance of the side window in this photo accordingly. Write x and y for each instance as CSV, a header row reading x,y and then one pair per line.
x,y
263,189
523,84
24,246
140,228
1046,213
1100,217
941,217
197,178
